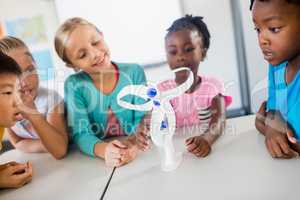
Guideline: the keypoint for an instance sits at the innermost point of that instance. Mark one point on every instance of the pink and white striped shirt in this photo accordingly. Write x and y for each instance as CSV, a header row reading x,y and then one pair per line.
x,y
195,108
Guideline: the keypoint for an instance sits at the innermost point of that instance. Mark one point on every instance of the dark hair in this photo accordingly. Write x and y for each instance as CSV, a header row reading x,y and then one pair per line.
x,y
192,23
289,1
9,65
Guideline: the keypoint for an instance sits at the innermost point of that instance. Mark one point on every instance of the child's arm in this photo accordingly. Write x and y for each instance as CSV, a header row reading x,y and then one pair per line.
x,y
201,145
26,145
82,135
218,118
142,133
52,131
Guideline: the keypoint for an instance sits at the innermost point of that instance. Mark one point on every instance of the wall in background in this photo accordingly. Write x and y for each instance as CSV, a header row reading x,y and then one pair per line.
x,y
257,67
221,61
134,30
219,22
16,11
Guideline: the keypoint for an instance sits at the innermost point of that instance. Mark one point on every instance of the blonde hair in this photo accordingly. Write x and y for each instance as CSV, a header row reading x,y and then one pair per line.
x,y
9,43
63,34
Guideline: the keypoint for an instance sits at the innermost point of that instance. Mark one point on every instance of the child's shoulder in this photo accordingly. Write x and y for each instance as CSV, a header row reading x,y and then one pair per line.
x,y
47,98
76,77
129,68
45,92
210,85
211,81
166,85
206,81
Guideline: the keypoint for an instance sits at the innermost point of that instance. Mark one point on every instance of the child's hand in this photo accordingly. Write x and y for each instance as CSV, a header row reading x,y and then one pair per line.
x,y
131,151
277,144
15,175
142,135
115,152
198,146
26,104
279,124
143,140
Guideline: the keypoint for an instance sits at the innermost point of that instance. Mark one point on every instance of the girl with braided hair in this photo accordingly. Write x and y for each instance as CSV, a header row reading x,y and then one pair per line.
x,y
186,44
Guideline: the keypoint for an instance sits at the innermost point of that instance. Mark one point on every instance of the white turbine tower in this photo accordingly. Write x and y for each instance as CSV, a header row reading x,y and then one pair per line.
x,y
163,121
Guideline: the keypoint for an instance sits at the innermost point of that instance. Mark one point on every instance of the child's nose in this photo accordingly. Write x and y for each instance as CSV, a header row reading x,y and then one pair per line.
x,y
263,39
96,53
181,58
16,99
24,82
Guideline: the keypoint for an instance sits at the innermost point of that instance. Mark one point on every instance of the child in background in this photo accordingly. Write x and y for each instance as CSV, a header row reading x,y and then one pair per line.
x,y
90,94
42,127
277,23
186,43
12,174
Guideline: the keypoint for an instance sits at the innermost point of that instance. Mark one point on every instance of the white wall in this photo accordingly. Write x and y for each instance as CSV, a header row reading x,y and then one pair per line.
x,y
217,15
133,29
221,60
15,9
257,66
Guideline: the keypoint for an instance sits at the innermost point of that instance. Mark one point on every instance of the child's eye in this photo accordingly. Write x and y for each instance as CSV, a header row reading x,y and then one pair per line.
x,y
275,30
190,49
32,69
257,29
81,56
95,43
6,93
172,53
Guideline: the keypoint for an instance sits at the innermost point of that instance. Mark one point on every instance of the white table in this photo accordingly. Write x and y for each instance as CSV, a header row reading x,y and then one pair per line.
x,y
75,177
239,167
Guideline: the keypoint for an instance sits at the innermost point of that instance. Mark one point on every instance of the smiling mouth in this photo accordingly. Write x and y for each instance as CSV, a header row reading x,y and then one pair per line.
x,y
99,62
27,91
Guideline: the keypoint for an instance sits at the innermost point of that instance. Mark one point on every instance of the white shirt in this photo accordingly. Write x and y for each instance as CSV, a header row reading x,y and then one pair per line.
x,y
45,101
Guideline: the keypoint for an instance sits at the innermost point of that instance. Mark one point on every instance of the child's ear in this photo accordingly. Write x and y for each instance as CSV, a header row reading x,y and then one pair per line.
x,y
69,65
73,67
204,53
